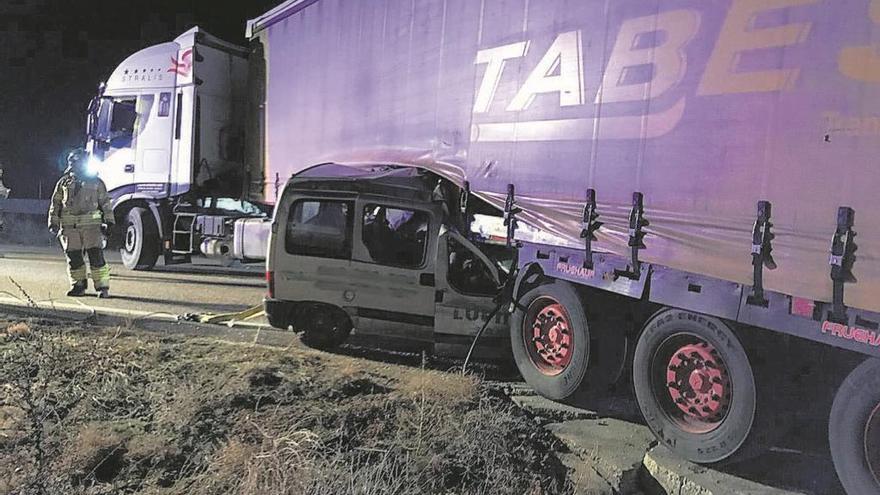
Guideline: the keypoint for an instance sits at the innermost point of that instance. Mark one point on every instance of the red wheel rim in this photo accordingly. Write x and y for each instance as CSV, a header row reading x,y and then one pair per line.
x,y
692,383
872,443
548,336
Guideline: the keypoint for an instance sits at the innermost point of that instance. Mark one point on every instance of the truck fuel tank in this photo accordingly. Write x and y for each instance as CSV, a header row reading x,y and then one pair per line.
x,y
251,238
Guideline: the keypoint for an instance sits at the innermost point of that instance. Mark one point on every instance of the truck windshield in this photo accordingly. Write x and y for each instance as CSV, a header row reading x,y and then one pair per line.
x,y
116,122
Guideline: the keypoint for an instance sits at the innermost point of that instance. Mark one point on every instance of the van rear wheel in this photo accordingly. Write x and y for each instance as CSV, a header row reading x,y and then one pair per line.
x,y
326,327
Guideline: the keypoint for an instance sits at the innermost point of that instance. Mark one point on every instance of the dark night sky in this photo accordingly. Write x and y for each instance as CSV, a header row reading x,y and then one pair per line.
x,y
53,53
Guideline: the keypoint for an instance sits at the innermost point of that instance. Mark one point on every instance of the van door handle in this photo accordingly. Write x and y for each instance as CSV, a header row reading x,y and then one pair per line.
x,y
129,169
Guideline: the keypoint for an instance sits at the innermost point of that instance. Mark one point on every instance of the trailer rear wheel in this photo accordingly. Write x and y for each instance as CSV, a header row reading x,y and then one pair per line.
x,y
550,339
854,430
694,385
140,242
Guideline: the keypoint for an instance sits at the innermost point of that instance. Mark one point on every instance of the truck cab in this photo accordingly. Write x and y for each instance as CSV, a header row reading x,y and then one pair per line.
x,y
166,134
380,252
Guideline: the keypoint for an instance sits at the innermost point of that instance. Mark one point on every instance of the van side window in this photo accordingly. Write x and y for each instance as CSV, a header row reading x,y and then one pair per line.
x,y
320,228
467,273
395,236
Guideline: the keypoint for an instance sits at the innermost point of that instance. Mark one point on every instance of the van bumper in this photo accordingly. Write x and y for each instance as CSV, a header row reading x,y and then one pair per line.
x,y
279,312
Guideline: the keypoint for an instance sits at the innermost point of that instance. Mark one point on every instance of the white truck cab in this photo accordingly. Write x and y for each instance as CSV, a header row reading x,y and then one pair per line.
x,y
166,133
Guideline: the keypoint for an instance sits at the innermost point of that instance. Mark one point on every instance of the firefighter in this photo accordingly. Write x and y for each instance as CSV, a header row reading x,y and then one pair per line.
x,y
79,213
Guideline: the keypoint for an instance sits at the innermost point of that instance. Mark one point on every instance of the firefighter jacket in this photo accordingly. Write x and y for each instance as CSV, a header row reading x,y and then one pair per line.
x,y
80,203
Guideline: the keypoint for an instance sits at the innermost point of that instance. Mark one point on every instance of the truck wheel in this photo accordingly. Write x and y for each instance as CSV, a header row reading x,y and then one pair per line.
x,y
326,328
140,242
854,430
694,385
550,339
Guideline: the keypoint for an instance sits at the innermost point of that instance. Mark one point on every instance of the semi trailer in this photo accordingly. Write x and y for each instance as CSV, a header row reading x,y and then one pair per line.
x,y
674,193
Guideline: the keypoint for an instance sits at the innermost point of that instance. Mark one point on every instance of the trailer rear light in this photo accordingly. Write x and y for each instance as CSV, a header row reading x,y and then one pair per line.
x,y
803,307
270,284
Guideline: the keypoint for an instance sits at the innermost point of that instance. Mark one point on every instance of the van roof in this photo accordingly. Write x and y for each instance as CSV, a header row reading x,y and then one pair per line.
x,y
385,180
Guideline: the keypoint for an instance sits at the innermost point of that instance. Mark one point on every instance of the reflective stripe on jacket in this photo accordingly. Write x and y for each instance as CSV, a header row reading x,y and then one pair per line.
x,y
80,202
70,220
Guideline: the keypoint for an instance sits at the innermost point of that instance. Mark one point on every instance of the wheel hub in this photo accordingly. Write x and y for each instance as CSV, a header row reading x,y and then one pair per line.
x,y
698,383
549,338
872,443
130,238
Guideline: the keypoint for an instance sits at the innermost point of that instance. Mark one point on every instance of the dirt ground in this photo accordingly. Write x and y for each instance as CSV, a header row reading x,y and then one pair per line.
x,y
87,410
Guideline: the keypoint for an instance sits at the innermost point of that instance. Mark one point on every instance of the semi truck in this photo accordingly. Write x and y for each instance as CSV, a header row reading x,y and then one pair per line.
x,y
675,194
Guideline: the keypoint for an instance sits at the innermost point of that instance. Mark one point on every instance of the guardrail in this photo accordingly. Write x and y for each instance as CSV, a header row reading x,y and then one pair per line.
x,y
24,206
24,222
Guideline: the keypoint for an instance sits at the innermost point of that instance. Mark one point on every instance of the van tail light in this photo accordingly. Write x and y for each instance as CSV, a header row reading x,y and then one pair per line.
x,y
270,284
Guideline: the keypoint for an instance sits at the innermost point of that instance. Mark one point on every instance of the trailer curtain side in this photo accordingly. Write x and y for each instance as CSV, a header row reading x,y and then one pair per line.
x,y
706,107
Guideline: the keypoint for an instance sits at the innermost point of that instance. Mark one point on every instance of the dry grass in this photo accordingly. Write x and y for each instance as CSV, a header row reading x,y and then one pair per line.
x,y
162,416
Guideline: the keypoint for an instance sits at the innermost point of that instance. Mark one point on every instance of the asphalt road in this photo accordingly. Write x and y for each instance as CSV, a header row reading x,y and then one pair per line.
x,y
204,287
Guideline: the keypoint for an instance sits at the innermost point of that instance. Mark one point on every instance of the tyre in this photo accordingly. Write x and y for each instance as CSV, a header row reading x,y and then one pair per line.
x,y
140,242
550,340
326,327
694,385
854,430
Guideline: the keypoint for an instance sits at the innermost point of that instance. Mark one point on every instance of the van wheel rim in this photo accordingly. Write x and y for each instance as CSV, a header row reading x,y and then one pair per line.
x,y
548,336
872,443
694,384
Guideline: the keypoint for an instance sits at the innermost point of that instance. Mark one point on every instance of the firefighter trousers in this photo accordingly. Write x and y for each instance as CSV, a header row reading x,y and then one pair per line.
x,y
79,242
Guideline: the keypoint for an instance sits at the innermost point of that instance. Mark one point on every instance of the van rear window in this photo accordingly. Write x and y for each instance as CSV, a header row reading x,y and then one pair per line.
x,y
321,229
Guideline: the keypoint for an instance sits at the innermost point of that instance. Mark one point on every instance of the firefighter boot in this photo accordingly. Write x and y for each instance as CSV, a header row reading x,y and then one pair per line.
x,y
76,273
100,272
78,290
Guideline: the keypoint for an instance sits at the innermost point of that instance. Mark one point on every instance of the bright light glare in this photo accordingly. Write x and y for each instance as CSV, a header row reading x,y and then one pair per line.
x,y
93,166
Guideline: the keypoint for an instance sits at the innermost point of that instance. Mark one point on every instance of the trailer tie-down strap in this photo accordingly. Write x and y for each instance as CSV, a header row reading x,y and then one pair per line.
x,y
511,210
843,257
590,226
637,224
762,249
225,318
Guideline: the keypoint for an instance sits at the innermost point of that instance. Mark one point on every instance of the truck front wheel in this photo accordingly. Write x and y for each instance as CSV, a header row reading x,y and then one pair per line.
x,y
140,240
550,339
694,385
854,430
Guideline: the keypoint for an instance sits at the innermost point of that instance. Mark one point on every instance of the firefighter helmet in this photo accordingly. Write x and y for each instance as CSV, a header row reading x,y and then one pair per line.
x,y
77,158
